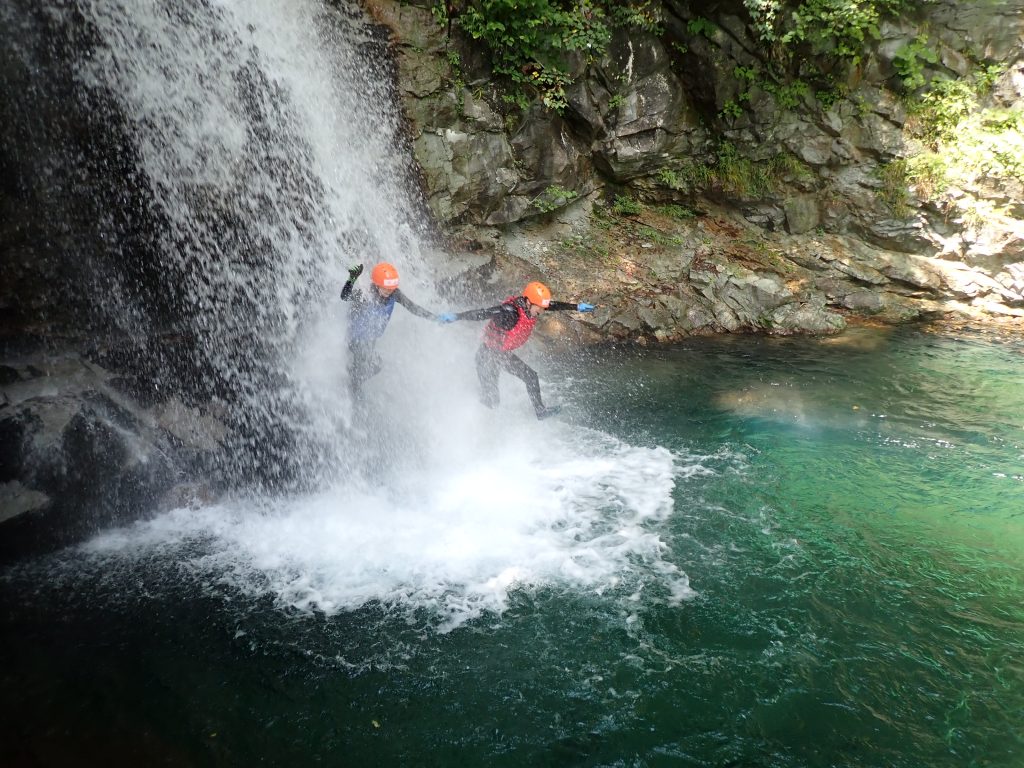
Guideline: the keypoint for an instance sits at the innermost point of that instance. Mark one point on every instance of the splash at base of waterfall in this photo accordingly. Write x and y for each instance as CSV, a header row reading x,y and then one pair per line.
x,y
532,512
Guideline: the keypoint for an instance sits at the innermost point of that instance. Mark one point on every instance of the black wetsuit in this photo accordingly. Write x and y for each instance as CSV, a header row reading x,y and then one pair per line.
x,y
369,319
489,360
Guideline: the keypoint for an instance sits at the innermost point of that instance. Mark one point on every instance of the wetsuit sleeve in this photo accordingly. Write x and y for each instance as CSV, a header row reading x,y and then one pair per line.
x,y
353,275
346,290
412,306
503,315
561,306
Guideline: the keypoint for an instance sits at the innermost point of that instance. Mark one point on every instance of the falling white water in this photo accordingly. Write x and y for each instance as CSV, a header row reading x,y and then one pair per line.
x,y
271,150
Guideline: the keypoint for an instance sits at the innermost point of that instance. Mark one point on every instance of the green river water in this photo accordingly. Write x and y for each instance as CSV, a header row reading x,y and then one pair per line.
x,y
821,563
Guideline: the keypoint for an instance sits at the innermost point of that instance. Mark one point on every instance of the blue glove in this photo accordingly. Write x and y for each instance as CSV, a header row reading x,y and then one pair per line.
x,y
446,317
584,307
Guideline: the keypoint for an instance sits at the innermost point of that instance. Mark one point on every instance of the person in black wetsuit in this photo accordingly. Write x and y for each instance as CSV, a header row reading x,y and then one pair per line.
x,y
370,317
511,324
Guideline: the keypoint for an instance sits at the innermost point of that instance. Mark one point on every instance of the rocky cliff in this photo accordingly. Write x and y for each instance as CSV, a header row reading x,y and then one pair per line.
x,y
687,190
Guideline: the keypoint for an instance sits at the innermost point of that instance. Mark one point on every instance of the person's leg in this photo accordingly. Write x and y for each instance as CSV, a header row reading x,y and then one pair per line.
x,y
363,363
521,370
487,372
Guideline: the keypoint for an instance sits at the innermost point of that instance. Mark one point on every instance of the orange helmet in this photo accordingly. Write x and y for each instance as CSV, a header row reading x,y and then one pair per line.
x,y
384,275
538,294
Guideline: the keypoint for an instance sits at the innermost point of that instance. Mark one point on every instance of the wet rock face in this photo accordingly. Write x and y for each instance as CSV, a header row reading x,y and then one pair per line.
x,y
74,213
74,210
654,103
637,109
79,454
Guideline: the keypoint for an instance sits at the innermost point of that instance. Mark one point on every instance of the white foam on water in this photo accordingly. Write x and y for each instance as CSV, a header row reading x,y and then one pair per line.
x,y
532,510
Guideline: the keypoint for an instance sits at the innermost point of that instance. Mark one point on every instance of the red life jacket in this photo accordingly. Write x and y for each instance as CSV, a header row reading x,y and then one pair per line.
x,y
497,338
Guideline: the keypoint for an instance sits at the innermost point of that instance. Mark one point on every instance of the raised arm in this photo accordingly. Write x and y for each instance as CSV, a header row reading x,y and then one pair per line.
x,y
353,275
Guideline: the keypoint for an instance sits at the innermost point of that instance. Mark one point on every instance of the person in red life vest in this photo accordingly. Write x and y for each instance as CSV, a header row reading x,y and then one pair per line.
x,y
370,317
511,324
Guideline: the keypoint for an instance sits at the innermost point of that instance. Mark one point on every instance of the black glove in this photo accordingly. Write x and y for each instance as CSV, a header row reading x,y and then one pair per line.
x,y
355,272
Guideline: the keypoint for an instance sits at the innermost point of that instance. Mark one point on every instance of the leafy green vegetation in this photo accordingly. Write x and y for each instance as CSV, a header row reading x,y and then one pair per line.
x,y
658,237
531,41
553,198
894,191
910,60
799,34
731,110
458,82
986,76
835,27
959,146
640,14
677,212
701,26
670,178
626,206
838,26
734,173
987,145
788,96
749,74
936,116
535,45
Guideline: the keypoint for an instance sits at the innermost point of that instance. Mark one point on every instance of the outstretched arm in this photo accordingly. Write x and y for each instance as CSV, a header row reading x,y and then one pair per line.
x,y
411,305
561,306
497,313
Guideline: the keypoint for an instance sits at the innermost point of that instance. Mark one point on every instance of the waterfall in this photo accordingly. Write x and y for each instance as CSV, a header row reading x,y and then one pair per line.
x,y
262,143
